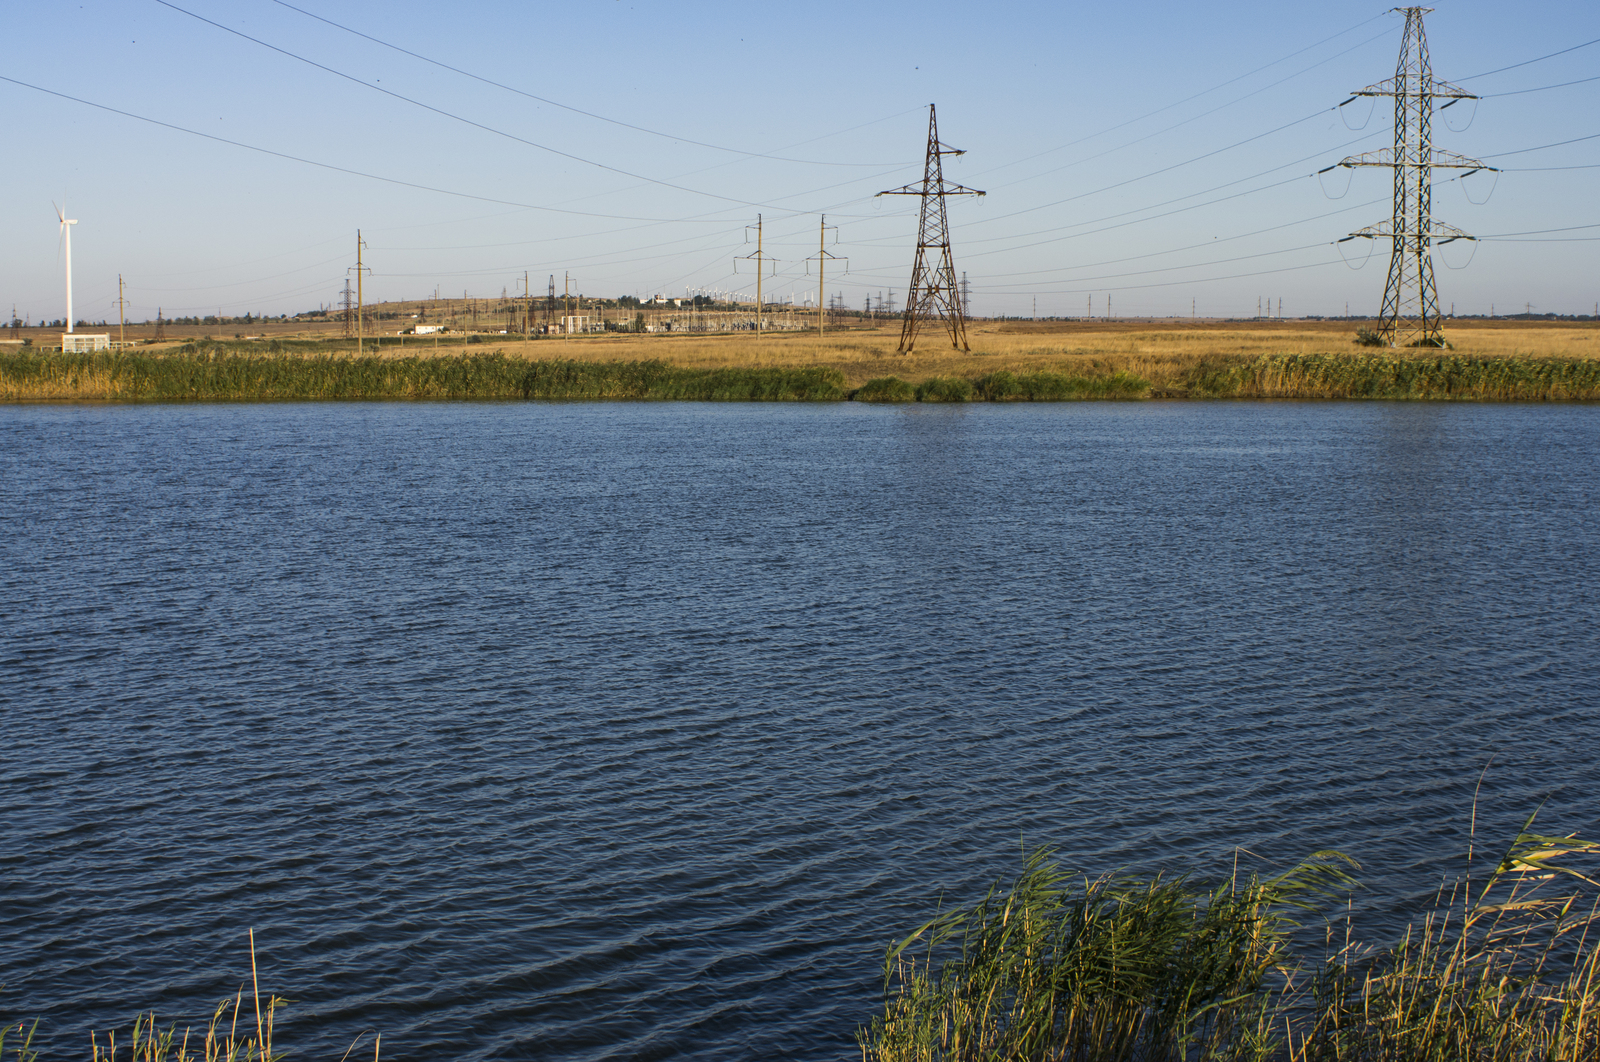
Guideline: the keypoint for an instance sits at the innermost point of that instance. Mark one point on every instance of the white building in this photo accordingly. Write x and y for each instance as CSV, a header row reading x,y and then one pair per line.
x,y
84,342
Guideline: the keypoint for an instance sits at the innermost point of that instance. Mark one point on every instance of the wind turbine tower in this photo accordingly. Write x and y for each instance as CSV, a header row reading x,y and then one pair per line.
x,y
69,342
66,237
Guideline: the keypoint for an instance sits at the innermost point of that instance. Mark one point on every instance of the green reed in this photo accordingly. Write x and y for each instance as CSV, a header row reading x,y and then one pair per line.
x,y
215,373
945,389
1060,966
1397,376
1006,386
886,389
1067,968
1505,969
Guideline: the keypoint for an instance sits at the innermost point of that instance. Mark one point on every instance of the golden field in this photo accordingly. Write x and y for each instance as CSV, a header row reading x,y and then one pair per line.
x,y
1489,360
1163,353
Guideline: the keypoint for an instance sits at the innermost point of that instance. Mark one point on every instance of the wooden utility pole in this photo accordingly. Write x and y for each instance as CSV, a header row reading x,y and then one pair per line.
x,y
823,258
760,259
122,316
360,274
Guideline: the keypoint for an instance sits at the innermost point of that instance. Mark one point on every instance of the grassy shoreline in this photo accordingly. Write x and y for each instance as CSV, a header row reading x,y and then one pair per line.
x,y
255,372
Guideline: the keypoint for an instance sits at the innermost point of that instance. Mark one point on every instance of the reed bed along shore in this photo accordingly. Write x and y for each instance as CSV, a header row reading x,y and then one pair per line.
x,y
1010,362
210,377
1068,968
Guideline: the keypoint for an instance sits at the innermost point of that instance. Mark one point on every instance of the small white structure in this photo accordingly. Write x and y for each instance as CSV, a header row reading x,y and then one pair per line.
x,y
584,323
427,330
84,342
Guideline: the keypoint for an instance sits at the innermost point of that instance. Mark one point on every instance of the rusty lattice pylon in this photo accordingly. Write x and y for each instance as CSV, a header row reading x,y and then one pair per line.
x,y
933,286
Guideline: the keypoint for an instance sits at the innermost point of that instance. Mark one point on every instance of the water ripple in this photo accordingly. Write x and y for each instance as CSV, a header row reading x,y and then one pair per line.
x,y
632,732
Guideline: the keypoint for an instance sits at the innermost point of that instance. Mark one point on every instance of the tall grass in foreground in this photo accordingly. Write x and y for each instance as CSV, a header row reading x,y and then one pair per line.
x,y
1156,969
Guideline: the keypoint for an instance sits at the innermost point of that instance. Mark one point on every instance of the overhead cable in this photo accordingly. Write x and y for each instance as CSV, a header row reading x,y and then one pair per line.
x,y
1526,62
1153,173
568,107
339,169
1197,117
1541,88
456,117
1542,147
1180,103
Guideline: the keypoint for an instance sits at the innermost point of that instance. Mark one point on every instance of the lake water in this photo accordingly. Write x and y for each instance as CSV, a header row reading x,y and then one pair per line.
x,y
638,731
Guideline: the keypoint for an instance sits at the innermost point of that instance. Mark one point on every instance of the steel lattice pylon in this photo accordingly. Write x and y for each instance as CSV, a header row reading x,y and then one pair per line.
x,y
933,289
1410,315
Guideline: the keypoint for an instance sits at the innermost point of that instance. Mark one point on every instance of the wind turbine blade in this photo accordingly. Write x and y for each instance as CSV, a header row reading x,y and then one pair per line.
x,y
59,215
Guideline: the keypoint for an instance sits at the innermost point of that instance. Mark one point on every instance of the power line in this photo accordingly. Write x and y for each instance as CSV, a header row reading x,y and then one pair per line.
x,y
1529,62
1186,99
1541,88
699,219
1202,114
343,169
1194,246
1539,232
1177,283
1542,147
1157,206
1154,173
456,117
564,106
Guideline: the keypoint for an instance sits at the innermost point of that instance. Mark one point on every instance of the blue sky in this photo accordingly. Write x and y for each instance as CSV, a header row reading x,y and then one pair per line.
x,y
1161,154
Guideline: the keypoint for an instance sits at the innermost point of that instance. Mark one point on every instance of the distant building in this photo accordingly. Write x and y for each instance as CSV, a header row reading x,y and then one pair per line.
x,y
84,342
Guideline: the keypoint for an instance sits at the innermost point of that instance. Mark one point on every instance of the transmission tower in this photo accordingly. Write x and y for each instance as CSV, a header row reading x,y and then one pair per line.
x,y
348,305
1410,314
933,288
161,326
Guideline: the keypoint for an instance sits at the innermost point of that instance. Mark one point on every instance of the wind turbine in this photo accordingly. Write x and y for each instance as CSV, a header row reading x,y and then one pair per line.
x,y
66,236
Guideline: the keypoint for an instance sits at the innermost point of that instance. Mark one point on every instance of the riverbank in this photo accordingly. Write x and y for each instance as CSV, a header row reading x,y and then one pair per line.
x,y
1009,361
245,372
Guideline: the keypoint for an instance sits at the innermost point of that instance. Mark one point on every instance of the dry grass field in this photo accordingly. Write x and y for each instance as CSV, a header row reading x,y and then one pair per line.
x,y
1169,358
1162,352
